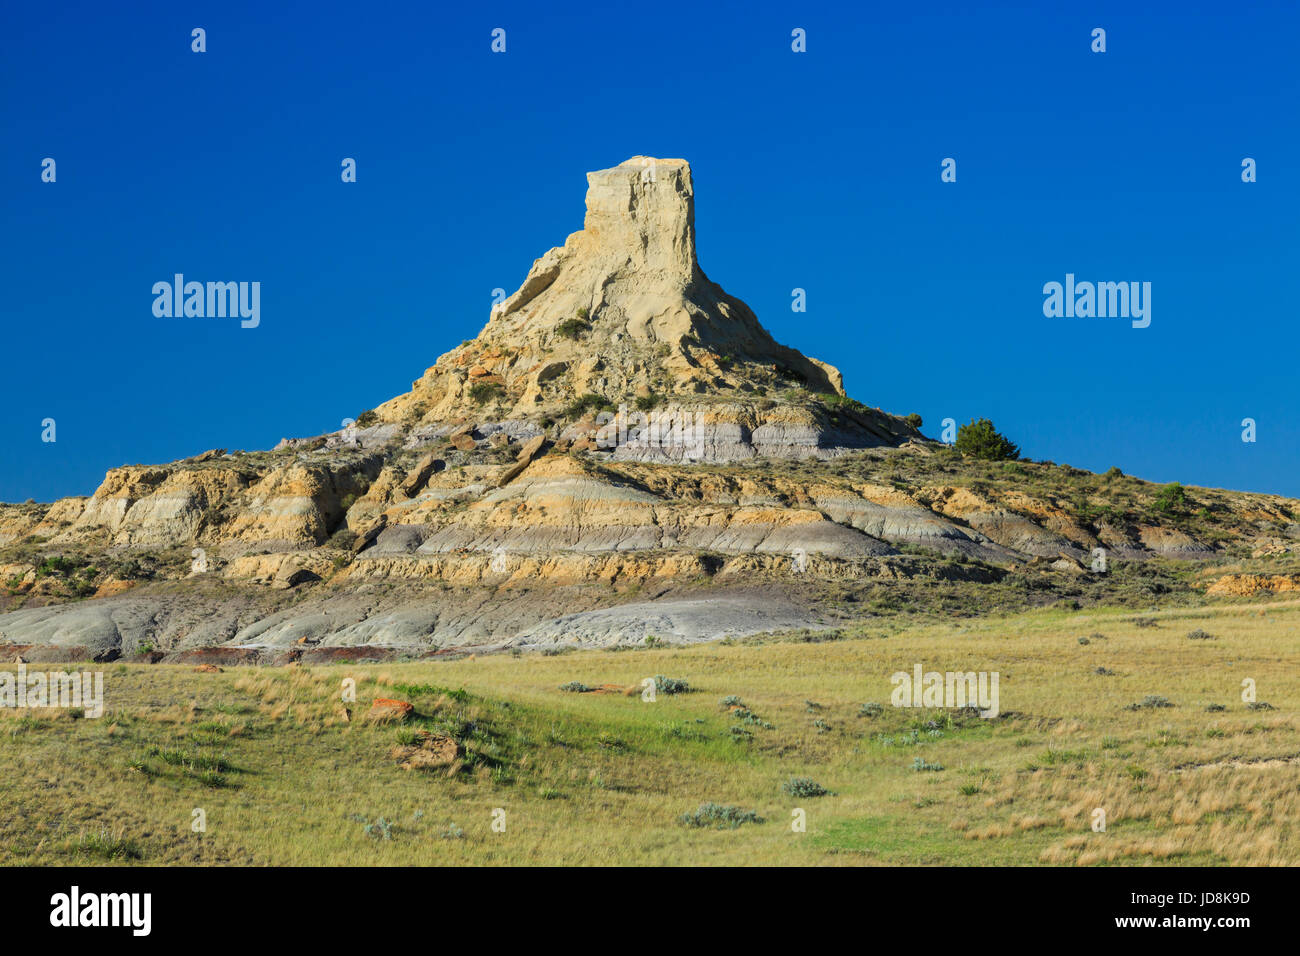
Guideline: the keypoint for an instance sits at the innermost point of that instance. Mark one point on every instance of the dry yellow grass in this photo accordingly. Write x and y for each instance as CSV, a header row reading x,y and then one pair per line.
x,y
285,777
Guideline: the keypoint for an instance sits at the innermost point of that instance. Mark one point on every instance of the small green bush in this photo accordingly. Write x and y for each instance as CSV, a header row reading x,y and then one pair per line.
x,y
58,564
572,328
482,392
719,816
979,439
343,538
381,829
841,401
588,403
1171,498
671,685
804,787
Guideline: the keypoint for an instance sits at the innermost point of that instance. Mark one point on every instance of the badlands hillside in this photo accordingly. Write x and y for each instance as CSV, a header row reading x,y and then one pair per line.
x,y
623,455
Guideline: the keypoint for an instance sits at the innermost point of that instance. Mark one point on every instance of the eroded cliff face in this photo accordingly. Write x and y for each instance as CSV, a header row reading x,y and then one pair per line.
x,y
623,451
623,311
480,540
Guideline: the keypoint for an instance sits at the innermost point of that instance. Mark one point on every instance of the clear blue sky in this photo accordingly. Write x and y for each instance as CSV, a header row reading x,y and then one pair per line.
x,y
816,170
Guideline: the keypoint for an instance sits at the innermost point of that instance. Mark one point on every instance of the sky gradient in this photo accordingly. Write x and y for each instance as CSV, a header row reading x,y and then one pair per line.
x,y
818,170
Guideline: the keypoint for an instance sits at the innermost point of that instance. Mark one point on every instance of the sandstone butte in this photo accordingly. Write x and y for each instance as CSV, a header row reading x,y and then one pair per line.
x,y
623,452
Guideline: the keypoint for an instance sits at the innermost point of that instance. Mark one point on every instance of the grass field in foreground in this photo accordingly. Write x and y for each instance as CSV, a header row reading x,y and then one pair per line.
x,y
283,778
